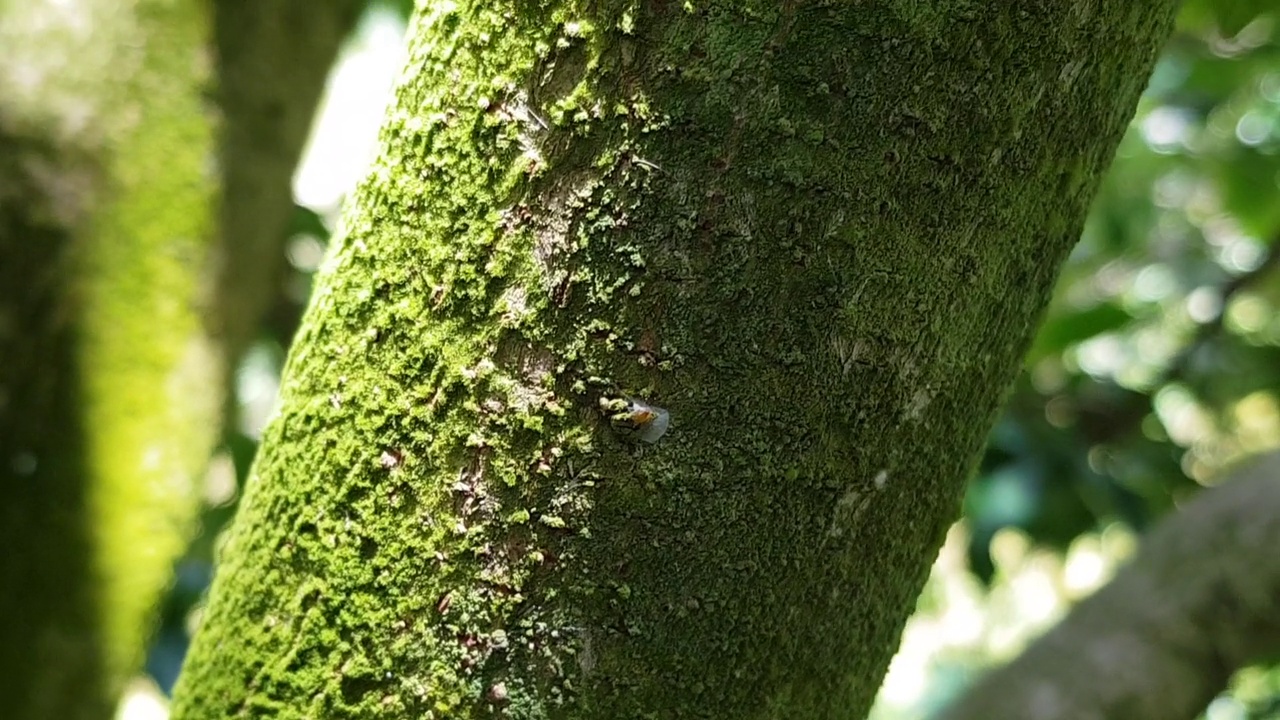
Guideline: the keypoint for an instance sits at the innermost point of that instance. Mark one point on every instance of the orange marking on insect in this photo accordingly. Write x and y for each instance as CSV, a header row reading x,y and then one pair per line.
x,y
642,416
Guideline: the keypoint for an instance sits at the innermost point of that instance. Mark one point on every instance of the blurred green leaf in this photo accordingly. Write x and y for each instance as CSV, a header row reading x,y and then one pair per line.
x,y
1066,328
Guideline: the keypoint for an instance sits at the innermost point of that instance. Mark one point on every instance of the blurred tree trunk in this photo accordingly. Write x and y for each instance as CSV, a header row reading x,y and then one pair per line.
x,y
273,57
1201,601
820,236
108,399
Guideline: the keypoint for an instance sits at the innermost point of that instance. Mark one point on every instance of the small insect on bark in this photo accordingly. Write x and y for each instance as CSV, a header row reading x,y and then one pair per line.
x,y
636,419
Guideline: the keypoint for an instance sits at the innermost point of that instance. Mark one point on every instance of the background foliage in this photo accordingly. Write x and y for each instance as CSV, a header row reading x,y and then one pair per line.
x,y
1157,364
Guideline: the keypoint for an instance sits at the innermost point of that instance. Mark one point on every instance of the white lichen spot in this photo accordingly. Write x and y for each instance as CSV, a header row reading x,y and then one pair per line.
x,y
1070,71
534,376
530,127
743,216
552,240
553,243
919,401
881,479
586,654
846,351
847,511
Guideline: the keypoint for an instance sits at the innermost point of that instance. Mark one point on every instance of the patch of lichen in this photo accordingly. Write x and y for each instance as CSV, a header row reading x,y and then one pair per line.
x,y
783,224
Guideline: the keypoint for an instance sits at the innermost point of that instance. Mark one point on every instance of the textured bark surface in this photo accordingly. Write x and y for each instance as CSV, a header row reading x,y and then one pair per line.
x,y
1200,601
819,234
108,392
273,57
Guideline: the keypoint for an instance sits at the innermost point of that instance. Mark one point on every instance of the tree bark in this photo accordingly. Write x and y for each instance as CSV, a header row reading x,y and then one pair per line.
x,y
108,393
818,235
1200,601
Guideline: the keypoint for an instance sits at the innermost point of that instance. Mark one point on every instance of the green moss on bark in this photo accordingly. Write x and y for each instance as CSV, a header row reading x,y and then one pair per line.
x,y
819,235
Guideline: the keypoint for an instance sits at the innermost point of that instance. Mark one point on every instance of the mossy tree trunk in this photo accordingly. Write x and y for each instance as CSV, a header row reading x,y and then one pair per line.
x,y
108,392
818,234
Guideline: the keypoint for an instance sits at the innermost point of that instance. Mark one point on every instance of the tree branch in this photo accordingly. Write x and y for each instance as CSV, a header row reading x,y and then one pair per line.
x,y
1200,601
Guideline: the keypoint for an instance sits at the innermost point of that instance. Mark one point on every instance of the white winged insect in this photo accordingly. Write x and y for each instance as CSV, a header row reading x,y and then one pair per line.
x,y
637,419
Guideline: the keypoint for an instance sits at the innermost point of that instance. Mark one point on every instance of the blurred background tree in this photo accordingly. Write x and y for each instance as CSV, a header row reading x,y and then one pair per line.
x,y
1158,363
108,375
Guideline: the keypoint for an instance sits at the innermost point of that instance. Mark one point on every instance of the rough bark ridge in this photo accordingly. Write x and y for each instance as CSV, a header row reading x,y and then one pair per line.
x,y
107,394
1200,601
819,234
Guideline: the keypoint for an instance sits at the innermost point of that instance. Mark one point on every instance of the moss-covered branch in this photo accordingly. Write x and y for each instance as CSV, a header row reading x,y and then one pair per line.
x,y
819,235
108,402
